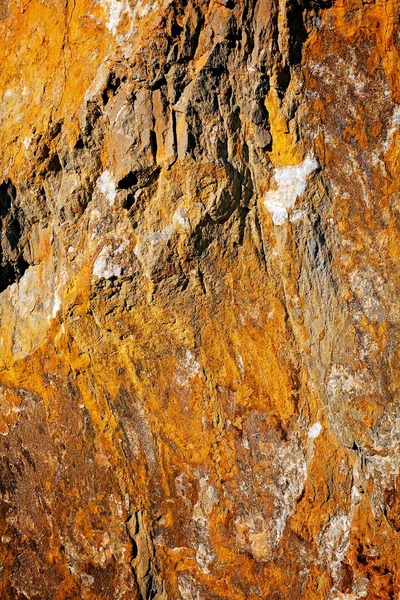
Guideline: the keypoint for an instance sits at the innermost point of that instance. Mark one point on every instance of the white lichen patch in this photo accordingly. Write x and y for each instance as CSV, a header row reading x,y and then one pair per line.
x,y
315,430
393,128
297,215
291,184
108,263
145,8
27,292
289,487
240,364
95,215
157,237
204,557
354,78
188,588
341,380
115,9
191,365
56,305
106,185
333,543
187,369
312,434
180,219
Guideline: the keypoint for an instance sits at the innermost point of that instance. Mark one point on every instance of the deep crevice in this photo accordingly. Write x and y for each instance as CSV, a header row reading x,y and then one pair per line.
x,y
128,182
12,263
8,194
11,273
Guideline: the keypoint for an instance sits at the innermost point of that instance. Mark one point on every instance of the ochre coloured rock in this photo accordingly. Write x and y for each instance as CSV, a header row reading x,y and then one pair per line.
x,y
199,300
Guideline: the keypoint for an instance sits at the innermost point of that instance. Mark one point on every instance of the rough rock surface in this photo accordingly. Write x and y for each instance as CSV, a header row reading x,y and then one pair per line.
x,y
199,210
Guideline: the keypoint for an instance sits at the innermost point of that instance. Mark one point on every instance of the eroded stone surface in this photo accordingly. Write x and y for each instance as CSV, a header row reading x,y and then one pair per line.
x,y
199,209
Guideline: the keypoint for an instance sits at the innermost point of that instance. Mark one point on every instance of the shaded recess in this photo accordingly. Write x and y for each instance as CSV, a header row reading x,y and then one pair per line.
x,y
12,262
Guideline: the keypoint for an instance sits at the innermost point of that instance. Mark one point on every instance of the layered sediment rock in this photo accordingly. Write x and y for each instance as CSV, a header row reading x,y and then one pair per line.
x,y
199,300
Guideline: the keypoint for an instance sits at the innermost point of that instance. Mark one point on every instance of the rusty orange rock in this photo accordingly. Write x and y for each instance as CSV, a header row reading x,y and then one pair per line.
x,y
199,300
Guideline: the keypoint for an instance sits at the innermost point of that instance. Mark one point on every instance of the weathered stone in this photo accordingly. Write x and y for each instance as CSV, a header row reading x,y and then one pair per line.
x,y
199,300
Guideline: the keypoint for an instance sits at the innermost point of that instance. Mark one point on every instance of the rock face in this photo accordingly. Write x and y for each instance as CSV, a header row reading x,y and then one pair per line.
x,y
199,208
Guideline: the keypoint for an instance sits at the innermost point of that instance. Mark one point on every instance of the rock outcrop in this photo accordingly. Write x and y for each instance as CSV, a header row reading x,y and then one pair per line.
x,y
199,300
